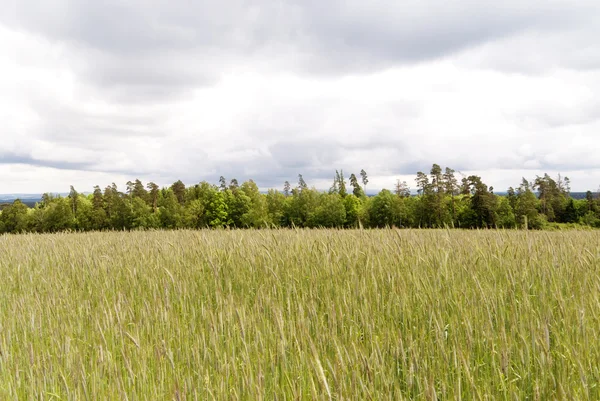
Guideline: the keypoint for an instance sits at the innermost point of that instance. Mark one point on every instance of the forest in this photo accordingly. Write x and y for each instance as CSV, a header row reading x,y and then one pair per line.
x,y
441,200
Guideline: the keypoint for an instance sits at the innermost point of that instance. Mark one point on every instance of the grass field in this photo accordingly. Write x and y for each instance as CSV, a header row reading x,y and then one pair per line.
x,y
384,314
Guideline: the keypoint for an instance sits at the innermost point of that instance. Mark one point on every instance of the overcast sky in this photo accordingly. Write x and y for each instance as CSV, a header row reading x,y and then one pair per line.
x,y
95,92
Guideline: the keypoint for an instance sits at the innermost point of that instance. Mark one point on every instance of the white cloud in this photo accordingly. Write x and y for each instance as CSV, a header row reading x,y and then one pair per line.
x,y
281,90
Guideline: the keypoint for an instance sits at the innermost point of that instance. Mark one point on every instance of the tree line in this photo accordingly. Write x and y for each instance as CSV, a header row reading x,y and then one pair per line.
x,y
441,200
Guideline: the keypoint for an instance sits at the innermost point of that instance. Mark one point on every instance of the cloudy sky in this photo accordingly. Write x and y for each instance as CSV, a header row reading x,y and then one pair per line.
x,y
93,92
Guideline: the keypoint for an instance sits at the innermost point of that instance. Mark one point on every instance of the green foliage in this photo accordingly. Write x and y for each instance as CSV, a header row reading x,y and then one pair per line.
x,y
178,189
276,206
330,212
58,216
352,206
526,209
441,202
141,215
238,204
217,210
505,215
83,219
590,219
169,209
13,218
357,191
385,210
300,207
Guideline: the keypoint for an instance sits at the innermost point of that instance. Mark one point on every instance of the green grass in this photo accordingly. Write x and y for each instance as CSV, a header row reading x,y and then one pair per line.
x,y
299,314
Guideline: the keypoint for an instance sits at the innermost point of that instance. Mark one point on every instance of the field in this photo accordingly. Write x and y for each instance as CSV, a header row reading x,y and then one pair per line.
x,y
300,314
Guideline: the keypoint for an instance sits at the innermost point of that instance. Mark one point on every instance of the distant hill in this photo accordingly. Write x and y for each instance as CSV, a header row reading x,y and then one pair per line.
x,y
28,199
581,195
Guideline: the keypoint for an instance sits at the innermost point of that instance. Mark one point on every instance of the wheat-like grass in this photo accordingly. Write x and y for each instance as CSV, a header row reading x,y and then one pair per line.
x,y
300,314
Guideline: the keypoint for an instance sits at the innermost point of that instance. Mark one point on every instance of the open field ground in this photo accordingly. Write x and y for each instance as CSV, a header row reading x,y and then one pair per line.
x,y
300,314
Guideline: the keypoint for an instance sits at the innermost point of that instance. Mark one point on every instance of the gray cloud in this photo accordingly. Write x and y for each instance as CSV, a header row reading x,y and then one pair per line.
x,y
158,49
268,90
14,158
359,35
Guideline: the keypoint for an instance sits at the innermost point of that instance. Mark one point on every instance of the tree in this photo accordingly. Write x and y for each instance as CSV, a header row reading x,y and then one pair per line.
x,y
238,204
422,183
73,195
334,187
13,218
436,200
547,191
589,197
233,184
301,205
353,206
424,212
203,195
139,191
84,221
450,183
98,217
384,210
564,185
216,210
194,214
365,179
511,195
97,199
276,206
170,209
257,215
330,212
526,207
356,189
58,216
451,187
47,198
483,204
436,179
402,190
571,215
129,189
111,195
341,183
153,191
141,215
287,188
301,183
178,189
222,183
506,216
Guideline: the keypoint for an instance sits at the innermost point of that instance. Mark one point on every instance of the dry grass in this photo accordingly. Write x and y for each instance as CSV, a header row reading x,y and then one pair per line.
x,y
198,315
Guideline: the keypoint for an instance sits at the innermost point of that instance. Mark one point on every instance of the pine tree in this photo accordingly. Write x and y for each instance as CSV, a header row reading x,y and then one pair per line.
x,y
179,190
357,190
73,195
402,190
341,182
365,179
301,183
153,191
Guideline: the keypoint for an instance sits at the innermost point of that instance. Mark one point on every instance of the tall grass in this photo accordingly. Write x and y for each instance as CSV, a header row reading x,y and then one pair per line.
x,y
298,314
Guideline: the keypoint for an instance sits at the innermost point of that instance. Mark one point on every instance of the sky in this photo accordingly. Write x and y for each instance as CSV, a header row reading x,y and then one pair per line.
x,y
95,92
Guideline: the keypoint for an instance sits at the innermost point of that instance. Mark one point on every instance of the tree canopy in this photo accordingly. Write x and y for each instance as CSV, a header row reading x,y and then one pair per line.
x,y
440,201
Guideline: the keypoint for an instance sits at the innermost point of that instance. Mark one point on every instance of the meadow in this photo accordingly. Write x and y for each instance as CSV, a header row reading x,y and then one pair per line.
x,y
300,315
